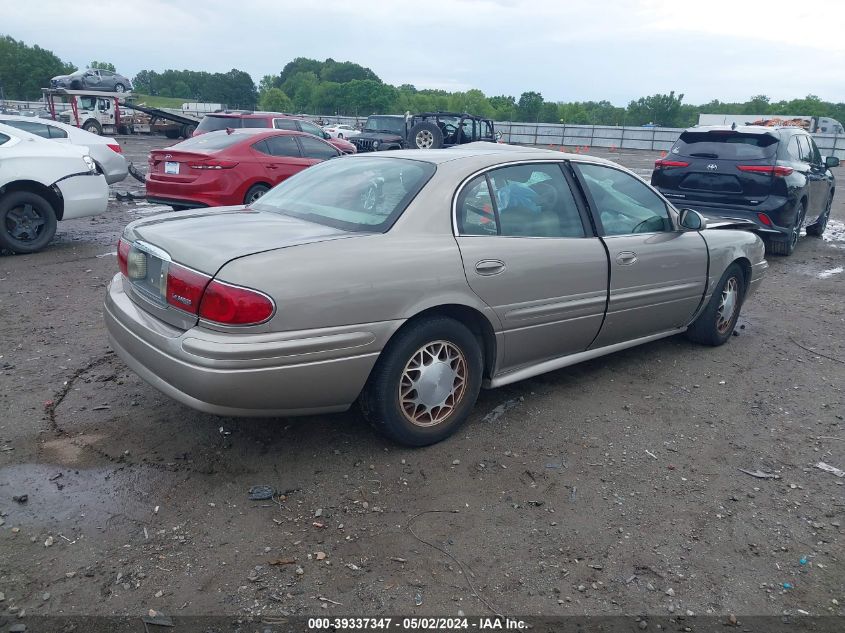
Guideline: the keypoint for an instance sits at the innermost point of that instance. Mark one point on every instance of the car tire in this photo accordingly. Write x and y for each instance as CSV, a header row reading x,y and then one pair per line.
x,y
340,135
119,88
255,192
388,399
786,245
27,222
715,325
93,127
172,132
425,135
817,228
187,130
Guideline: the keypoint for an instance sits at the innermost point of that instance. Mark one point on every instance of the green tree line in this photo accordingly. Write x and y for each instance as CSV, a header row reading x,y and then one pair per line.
x,y
331,87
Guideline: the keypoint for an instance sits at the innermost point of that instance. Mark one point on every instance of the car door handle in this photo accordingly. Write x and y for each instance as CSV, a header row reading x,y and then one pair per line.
x,y
626,258
489,267
272,166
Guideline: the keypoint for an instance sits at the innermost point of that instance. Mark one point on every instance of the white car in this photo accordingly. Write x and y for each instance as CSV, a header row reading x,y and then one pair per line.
x,y
105,150
42,182
341,130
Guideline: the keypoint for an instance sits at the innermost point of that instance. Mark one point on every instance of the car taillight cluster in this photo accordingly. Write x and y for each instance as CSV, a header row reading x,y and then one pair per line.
x,y
776,170
669,164
198,294
115,147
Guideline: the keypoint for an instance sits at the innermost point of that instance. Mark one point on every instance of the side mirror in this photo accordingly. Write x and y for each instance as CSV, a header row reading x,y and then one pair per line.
x,y
831,161
692,220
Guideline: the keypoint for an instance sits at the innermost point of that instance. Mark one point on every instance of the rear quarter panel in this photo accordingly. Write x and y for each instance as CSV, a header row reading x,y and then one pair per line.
x,y
727,246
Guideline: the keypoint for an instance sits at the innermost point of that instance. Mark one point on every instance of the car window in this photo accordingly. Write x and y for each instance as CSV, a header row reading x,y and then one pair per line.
x,y
792,148
815,155
210,141
310,128
726,144
313,148
3,139
520,201
624,204
57,132
282,146
255,123
367,194
211,123
284,124
806,152
39,129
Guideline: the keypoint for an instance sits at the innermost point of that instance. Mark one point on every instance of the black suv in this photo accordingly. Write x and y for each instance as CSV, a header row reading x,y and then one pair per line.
x,y
428,130
773,176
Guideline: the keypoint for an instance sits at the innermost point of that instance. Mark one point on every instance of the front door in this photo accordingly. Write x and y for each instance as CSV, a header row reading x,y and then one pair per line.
x,y
658,273
529,255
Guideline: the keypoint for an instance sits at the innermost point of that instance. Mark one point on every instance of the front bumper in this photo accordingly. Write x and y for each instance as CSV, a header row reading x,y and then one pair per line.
x,y
266,375
83,194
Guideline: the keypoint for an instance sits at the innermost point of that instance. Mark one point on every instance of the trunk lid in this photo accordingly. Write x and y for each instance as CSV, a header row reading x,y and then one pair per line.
x,y
205,239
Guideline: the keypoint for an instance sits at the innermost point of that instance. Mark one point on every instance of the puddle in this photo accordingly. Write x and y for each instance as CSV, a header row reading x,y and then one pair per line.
x,y
72,499
825,274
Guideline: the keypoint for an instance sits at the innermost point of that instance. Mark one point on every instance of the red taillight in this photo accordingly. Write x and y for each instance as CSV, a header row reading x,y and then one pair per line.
x,y
185,288
765,219
115,147
123,248
214,164
775,170
234,305
669,164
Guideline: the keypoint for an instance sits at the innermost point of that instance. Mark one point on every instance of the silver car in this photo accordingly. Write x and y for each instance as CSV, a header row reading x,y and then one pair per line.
x,y
93,79
406,281
106,151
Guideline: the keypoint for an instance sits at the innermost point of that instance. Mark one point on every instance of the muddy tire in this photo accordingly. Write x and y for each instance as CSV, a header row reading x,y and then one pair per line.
x,y
816,229
786,245
93,127
27,222
716,323
255,192
425,382
425,135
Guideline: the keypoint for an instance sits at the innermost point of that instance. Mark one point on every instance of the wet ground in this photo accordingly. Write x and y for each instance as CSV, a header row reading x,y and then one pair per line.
x,y
664,479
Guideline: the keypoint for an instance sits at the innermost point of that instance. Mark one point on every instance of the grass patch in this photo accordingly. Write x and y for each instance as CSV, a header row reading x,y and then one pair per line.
x,y
159,102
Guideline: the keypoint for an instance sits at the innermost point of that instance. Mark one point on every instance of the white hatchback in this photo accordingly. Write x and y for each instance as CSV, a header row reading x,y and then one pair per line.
x,y
42,182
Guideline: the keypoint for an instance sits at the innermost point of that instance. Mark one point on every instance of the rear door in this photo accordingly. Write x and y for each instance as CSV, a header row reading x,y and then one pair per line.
x,y
658,273
528,253
718,167
816,173
281,157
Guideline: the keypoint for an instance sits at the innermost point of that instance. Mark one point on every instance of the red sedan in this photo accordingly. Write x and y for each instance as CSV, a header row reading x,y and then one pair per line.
x,y
230,167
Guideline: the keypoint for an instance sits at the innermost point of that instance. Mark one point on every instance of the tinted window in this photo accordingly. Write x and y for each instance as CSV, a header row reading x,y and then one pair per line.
x,y
3,138
792,149
814,151
806,152
255,123
282,146
39,129
284,124
211,123
534,201
624,204
367,194
313,148
728,144
210,142
393,125
310,128
57,132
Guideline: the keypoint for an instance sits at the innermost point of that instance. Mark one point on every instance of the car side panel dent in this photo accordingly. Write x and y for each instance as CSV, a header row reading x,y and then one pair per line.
x,y
727,246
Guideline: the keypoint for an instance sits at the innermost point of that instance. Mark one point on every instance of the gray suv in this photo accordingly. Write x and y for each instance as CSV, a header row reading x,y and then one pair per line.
x,y
92,79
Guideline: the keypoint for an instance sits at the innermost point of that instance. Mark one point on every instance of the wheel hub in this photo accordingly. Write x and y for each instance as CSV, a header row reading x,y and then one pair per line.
x,y
433,383
727,305
425,139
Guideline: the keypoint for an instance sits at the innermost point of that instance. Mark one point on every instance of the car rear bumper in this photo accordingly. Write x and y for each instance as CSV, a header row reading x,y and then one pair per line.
x,y
775,208
84,194
177,202
267,375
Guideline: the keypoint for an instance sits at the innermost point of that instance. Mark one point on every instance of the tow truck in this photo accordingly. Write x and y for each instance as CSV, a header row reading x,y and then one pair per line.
x,y
114,113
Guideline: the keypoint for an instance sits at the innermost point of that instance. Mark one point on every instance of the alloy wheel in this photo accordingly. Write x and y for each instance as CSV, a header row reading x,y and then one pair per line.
x,y
25,223
424,139
728,304
433,383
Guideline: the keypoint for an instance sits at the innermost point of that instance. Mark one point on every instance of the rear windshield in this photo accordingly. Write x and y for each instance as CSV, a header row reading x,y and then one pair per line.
x,y
256,122
366,194
211,123
729,145
210,142
393,125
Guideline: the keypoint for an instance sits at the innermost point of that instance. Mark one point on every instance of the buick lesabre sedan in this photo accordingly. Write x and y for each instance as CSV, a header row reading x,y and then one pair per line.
x,y
406,281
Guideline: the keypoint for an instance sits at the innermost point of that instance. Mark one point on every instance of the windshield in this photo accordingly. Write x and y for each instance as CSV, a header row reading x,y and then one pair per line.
x,y
211,123
728,144
394,125
362,194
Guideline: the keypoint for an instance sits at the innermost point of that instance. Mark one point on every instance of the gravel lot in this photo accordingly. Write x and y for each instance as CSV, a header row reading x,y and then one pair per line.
x,y
612,487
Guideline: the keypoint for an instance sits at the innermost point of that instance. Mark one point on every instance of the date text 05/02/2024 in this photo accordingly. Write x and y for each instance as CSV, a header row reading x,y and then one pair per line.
x,y
416,624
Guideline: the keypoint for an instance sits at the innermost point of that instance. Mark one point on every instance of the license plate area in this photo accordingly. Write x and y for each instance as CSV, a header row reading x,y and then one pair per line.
x,y
148,271
171,167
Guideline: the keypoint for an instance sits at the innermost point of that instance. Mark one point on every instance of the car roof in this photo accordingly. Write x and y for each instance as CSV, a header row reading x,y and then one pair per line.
x,y
743,129
250,115
258,131
489,153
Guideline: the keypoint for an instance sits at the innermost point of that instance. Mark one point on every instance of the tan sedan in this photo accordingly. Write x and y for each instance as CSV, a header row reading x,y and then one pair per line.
x,y
406,281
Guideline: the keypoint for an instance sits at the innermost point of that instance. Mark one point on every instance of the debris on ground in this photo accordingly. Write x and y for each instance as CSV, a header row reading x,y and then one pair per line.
x,y
830,469
500,410
261,493
20,498
282,561
759,474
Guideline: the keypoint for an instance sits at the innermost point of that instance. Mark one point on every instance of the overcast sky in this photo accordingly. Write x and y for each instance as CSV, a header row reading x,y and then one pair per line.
x,y
569,50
